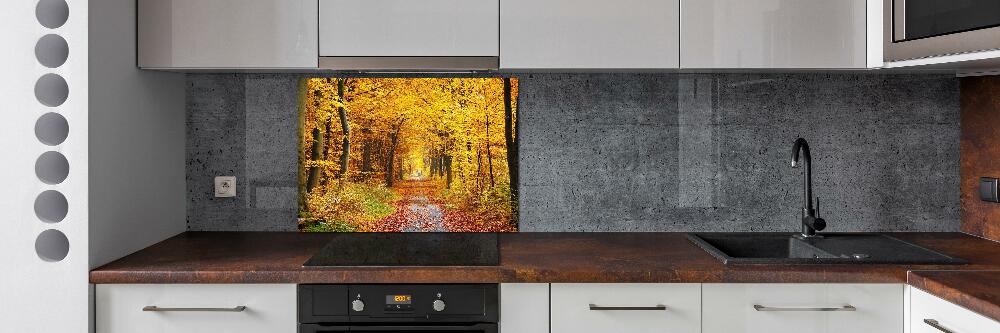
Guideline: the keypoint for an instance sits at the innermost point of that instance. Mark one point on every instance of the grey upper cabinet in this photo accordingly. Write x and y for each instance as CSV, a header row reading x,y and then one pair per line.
x,y
219,34
589,34
775,34
409,34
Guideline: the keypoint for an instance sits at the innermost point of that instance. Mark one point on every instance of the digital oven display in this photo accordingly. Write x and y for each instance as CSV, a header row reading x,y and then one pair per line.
x,y
398,299
397,303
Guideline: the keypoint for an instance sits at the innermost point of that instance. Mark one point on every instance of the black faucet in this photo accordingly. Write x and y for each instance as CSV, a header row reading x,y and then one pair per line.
x,y
810,221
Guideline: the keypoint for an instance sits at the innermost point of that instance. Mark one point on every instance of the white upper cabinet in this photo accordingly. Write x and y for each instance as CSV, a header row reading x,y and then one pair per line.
x,y
589,34
227,34
777,33
408,28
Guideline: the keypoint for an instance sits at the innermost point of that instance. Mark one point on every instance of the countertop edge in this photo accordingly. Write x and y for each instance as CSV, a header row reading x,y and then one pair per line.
x,y
936,282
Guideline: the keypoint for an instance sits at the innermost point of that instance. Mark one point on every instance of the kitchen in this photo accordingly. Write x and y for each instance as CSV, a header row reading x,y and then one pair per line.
x,y
249,165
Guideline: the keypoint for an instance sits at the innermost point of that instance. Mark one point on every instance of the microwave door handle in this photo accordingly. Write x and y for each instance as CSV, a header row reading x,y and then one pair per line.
x,y
313,328
898,18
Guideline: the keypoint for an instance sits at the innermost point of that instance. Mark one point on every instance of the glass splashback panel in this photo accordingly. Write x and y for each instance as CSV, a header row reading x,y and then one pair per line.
x,y
408,154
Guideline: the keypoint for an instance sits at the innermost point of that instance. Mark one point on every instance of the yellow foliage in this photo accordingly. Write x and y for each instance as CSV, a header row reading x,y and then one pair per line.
x,y
400,129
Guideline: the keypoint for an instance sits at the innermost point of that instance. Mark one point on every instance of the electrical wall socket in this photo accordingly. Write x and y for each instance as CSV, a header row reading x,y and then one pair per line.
x,y
988,189
225,187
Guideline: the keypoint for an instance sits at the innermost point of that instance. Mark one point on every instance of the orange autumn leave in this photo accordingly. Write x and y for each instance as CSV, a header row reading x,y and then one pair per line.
x,y
408,154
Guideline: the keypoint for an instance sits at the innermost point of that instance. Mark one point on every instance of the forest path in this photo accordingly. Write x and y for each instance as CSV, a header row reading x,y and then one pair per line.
x,y
416,211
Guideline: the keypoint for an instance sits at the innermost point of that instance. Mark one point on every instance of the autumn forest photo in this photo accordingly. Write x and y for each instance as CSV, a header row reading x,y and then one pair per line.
x,y
408,155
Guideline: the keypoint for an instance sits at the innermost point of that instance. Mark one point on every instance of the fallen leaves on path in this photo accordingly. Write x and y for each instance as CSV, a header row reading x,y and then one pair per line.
x,y
415,212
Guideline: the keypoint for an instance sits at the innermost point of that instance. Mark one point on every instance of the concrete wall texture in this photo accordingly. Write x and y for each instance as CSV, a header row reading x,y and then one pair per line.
x,y
639,152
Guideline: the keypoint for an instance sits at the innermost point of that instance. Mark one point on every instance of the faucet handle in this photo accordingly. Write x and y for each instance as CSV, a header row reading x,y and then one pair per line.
x,y
817,206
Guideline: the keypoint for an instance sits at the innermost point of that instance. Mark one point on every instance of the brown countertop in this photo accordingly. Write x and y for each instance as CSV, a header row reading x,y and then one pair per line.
x,y
975,290
275,257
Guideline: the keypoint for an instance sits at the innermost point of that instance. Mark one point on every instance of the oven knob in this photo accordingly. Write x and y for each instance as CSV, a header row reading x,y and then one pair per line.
x,y
358,305
438,305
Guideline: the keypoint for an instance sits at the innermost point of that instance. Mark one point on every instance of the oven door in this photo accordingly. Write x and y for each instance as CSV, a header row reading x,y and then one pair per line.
x,y
475,328
927,28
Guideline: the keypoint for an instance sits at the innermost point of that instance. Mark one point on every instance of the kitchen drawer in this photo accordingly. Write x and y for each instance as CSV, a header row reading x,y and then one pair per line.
x,y
948,316
626,308
802,308
269,308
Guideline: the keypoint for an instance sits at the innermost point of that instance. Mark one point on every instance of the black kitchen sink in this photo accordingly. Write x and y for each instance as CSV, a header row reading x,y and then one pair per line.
x,y
832,248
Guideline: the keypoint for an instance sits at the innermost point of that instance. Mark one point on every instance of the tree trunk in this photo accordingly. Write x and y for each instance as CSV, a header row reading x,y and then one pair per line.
x,y
393,142
315,171
479,168
345,153
509,135
447,166
442,163
327,134
489,155
324,155
434,161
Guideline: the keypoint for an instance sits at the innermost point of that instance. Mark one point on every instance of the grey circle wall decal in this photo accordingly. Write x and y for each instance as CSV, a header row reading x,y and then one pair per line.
x,y
51,51
51,90
51,129
52,245
52,13
52,167
51,206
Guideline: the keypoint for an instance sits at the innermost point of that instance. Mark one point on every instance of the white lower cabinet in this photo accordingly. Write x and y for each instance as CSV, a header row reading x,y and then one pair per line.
x,y
201,308
802,308
625,308
524,307
930,314
568,308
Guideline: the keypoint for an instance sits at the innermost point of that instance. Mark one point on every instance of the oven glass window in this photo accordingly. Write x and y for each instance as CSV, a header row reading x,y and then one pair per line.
x,y
929,18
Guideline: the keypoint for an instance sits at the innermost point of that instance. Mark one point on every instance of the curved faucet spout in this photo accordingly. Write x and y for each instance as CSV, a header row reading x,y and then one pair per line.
x,y
810,222
807,188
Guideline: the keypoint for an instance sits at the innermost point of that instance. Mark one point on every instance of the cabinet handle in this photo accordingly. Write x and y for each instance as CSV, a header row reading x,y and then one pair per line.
x,y
154,308
935,324
657,307
759,307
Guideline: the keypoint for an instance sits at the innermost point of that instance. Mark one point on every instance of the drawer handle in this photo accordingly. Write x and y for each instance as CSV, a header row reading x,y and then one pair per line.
x,y
154,308
935,324
658,307
759,307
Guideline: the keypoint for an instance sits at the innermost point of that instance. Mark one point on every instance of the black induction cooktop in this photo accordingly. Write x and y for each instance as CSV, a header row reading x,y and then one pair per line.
x,y
408,249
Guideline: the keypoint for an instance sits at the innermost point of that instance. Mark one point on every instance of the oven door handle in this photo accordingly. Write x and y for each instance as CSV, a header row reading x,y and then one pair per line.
x,y
485,328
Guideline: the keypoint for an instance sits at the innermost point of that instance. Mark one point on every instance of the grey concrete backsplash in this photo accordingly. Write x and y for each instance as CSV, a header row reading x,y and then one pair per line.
x,y
639,152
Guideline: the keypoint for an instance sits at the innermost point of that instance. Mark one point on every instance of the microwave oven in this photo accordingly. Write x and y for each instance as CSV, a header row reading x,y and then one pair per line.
x,y
915,29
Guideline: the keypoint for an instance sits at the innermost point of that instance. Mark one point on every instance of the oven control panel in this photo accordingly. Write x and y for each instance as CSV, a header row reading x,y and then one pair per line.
x,y
398,303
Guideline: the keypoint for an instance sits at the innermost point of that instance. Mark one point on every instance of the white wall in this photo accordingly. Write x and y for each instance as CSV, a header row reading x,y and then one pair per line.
x,y
137,136
137,191
38,295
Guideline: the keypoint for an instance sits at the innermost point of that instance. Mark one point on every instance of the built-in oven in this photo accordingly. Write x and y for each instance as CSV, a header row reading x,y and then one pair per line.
x,y
385,308
928,28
